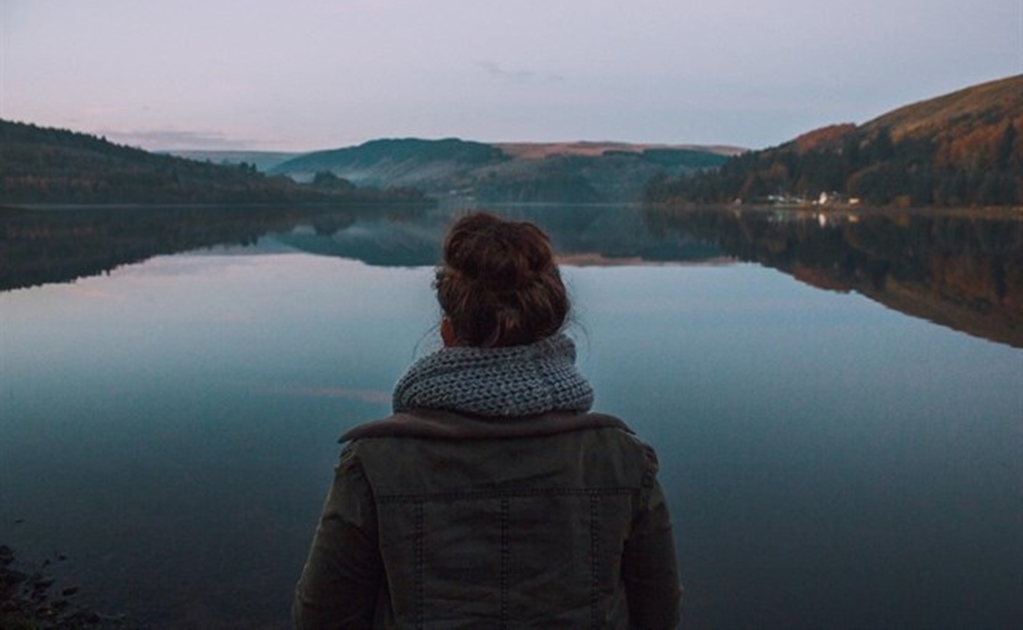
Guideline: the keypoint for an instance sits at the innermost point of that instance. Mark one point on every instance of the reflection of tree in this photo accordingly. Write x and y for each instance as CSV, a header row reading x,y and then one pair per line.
x,y
962,272
39,247
58,246
582,234
966,273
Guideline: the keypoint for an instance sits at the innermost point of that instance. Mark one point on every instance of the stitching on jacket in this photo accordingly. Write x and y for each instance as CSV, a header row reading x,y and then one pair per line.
x,y
505,559
498,493
594,562
649,475
420,562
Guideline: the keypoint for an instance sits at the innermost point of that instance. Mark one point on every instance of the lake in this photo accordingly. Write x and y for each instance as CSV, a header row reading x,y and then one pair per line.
x,y
836,398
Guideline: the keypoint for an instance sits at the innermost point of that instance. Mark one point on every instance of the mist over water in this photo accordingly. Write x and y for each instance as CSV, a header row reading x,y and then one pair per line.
x,y
839,429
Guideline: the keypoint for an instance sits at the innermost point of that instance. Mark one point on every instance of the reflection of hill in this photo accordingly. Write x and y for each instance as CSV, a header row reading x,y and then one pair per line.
x,y
581,234
371,240
964,273
40,247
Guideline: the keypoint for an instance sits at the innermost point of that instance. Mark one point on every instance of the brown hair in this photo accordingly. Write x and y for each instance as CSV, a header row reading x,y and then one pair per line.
x,y
499,284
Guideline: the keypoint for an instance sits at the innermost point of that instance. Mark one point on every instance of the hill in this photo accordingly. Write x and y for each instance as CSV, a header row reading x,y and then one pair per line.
x,y
960,149
395,162
981,107
508,172
41,165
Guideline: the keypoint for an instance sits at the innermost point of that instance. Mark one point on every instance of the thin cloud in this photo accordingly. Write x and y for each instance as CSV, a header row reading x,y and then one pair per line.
x,y
169,140
517,75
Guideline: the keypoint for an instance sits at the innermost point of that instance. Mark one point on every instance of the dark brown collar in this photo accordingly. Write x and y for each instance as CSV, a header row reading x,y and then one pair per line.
x,y
446,425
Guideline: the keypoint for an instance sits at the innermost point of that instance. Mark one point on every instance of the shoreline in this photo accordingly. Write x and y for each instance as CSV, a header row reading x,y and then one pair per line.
x,y
31,598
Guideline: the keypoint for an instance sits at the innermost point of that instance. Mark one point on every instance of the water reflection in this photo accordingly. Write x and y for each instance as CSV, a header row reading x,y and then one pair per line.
x,y
960,271
40,247
171,427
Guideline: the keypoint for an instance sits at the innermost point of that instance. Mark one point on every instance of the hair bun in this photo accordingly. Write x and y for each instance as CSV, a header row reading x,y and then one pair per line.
x,y
506,274
499,284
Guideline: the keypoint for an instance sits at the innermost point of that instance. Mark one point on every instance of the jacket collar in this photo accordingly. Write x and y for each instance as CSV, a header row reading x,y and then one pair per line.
x,y
446,425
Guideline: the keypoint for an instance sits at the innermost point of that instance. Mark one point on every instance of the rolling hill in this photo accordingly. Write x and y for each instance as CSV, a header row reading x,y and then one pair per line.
x,y
507,172
40,165
959,149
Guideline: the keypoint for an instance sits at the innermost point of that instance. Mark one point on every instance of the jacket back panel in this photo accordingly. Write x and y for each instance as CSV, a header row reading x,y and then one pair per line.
x,y
506,532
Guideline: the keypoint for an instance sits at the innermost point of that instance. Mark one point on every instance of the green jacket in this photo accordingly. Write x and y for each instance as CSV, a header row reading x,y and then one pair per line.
x,y
440,520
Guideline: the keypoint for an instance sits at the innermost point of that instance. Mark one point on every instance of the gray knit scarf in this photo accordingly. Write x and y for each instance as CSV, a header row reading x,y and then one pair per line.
x,y
504,382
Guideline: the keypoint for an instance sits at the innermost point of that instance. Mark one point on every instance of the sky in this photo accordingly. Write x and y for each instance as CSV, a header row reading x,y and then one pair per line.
x,y
302,75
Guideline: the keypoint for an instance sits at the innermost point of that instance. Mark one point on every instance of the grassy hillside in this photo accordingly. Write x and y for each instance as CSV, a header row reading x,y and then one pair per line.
x,y
394,161
540,150
981,107
960,149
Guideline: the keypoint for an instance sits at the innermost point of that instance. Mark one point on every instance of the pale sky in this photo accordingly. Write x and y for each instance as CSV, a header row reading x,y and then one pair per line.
x,y
298,75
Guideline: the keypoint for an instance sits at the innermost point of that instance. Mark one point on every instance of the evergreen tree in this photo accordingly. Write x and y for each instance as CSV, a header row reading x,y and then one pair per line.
x,y
1006,146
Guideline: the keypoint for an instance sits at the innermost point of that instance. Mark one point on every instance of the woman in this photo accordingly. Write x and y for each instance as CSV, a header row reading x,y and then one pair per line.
x,y
492,497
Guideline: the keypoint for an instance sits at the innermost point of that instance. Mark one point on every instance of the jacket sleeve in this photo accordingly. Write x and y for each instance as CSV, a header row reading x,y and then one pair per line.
x,y
339,584
649,567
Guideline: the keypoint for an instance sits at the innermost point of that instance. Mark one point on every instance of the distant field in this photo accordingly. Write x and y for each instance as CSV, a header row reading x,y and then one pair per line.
x,y
540,150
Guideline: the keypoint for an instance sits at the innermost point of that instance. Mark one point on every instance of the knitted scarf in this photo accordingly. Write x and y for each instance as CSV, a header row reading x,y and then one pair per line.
x,y
503,382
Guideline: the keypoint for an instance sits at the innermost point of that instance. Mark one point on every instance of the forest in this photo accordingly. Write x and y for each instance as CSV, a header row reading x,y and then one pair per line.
x,y
874,169
41,165
958,150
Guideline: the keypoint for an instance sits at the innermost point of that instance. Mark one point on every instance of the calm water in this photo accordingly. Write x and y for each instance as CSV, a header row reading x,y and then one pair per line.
x,y
837,402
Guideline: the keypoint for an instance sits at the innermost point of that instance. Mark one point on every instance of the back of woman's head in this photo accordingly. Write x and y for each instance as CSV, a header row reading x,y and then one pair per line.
x,y
499,284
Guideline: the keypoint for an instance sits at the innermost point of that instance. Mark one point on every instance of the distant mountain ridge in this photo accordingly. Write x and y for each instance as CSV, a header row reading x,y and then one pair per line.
x,y
266,160
262,160
959,149
40,165
506,172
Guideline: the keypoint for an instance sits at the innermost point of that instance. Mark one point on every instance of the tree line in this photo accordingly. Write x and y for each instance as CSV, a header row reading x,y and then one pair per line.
x,y
980,168
46,165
